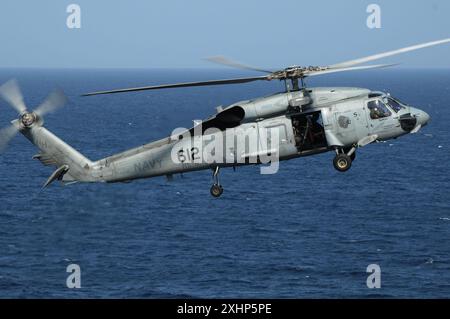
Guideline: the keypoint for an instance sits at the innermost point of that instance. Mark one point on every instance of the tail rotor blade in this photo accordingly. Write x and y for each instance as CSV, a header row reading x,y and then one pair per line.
x,y
54,101
6,134
10,92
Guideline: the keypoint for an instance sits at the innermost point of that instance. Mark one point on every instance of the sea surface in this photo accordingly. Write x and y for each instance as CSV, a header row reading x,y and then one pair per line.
x,y
306,232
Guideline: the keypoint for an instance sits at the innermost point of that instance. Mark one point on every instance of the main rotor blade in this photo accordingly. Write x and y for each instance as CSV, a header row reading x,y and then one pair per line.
x,y
234,64
10,92
6,134
54,101
387,54
354,68
179,85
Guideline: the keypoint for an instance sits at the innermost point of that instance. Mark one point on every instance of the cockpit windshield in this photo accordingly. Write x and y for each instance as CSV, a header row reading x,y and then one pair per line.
x,y
393,103
378,109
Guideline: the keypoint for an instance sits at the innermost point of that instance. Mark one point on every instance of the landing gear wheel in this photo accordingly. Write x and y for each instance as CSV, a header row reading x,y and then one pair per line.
x,y
216,190
342,162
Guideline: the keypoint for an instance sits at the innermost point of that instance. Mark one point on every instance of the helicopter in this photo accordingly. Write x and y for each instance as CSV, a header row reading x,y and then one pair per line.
x,y
300,121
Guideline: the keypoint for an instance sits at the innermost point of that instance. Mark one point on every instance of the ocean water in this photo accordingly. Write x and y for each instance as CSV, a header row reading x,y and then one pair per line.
x,y
306,232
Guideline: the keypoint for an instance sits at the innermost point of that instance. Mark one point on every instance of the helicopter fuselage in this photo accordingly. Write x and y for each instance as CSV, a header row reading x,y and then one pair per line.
x,y
308,122
261,131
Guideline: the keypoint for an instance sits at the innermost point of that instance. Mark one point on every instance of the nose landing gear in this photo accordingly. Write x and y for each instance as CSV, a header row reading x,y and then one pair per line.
x,y
216,189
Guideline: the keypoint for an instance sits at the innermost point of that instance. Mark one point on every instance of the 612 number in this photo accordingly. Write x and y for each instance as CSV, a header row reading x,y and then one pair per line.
x,y
188,154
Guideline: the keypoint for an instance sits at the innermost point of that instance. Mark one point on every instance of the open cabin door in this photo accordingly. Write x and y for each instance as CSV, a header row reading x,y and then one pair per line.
x,y
309,132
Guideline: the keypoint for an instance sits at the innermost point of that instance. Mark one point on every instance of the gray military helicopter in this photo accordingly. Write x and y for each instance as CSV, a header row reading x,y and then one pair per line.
x,y
307,121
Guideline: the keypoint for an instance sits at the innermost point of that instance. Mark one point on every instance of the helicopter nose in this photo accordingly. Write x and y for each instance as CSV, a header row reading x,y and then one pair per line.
x,y
414,120
422,117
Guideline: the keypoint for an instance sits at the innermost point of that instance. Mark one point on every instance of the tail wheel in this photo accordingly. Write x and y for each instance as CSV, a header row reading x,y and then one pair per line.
x,y
342,162
216,190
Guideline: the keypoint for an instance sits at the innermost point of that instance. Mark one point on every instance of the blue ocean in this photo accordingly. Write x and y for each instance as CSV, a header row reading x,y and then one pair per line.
x,y
306,232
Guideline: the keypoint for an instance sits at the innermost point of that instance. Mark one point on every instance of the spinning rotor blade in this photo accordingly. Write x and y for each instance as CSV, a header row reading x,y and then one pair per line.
x,y
179,85
234,64
6,134
294,72
10,92
354,68
54,101
387,54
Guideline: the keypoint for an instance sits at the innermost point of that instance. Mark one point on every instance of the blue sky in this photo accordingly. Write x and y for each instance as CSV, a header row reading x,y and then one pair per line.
x,y
179,33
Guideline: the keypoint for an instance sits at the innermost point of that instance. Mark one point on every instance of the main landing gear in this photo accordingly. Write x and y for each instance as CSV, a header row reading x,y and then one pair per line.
x,y
216,189
344,158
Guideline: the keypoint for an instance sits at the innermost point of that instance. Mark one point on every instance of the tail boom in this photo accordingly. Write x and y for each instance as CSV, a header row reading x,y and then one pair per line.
x,y
55,152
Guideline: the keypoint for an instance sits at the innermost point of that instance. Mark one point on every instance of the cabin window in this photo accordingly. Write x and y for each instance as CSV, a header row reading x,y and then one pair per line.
x,y
378,109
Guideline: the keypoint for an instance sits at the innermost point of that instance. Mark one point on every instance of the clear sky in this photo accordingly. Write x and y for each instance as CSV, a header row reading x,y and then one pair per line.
x,y
179,33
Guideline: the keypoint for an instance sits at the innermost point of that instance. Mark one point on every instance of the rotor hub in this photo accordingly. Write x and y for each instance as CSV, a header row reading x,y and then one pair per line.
x,y
295,72
28,119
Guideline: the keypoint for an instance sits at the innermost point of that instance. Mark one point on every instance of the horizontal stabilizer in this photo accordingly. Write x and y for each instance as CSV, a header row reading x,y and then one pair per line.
x,y
57,175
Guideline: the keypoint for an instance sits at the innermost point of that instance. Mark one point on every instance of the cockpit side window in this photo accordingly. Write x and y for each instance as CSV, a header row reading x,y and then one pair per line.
x,y
398,101
393,104
378,109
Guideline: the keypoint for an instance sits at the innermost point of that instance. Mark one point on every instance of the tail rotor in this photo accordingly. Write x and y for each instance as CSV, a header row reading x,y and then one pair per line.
x,y
11,93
